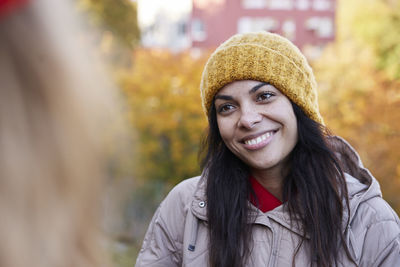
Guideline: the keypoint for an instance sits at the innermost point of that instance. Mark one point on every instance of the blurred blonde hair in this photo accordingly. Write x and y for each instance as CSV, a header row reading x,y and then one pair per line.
x,y
55,103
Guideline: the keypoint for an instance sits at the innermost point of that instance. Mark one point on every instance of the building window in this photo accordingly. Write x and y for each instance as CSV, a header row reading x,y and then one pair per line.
x,y
289,29
251,24
322,5
303,4
254,4
322,26
206,4
198,30
181,26
281,4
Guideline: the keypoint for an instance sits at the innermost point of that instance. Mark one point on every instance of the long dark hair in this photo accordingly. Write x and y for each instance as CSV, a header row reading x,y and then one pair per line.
x,y
313,192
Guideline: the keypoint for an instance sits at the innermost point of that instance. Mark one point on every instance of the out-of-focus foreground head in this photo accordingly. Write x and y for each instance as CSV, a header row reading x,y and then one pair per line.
x,y
54,104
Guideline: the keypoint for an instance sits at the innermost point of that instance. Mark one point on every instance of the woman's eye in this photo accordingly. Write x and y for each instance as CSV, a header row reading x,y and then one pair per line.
x,y
225,108
264,96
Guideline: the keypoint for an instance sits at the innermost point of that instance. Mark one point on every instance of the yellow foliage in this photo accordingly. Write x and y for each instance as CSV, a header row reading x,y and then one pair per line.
x,y
375,24
162,90
359,99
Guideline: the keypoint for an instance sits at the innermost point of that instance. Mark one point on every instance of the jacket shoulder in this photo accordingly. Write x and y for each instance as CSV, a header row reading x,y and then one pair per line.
x,y
375,233
182,193
174,208
376,210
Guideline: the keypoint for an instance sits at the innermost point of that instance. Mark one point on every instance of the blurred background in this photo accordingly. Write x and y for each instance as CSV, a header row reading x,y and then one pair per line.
x,y
155,51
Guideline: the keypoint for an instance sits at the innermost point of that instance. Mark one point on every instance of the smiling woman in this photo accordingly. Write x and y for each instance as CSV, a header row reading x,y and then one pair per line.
x,y
276,189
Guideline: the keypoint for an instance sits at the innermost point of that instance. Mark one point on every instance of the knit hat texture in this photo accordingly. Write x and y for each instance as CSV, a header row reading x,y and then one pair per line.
x,y
264,57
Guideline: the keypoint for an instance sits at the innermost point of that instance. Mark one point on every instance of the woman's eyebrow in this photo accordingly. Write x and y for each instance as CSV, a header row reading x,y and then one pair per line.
x,y
223,97
252,90
258,86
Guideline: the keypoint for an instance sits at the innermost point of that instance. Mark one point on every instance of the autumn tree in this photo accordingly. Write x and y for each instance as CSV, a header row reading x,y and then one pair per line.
x,y
359,87
162,90
117,30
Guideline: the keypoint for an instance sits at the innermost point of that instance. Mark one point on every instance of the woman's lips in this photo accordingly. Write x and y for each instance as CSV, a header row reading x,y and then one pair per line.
x,y
259,141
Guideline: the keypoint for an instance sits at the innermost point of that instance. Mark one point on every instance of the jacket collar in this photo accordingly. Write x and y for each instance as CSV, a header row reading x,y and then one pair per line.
x,y
279,214
199,202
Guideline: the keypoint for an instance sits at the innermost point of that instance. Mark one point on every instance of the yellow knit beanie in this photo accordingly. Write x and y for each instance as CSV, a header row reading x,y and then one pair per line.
x,y
265,57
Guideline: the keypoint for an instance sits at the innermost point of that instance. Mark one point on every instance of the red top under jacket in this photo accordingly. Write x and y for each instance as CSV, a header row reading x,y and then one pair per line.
x,y
267,201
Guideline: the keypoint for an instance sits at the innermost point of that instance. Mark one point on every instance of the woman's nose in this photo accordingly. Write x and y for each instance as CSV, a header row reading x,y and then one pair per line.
x,y
249,117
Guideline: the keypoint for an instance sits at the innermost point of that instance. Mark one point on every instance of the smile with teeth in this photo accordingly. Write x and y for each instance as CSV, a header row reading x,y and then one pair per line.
x,y
259,139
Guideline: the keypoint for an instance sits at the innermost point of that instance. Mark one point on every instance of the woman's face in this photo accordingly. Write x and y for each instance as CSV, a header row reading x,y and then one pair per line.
x,y
257,123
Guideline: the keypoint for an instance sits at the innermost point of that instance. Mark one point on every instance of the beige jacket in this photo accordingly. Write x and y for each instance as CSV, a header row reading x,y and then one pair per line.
x,y
177,235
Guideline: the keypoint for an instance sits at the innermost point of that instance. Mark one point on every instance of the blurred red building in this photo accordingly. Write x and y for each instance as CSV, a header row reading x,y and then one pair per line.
x,y
305,22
